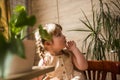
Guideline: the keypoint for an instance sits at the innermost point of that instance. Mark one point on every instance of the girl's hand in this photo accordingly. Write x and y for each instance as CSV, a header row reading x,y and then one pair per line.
x,y
71,45
78,59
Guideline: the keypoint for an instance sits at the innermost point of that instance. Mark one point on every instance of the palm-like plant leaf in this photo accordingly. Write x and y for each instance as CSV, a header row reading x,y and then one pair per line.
x,y
104,31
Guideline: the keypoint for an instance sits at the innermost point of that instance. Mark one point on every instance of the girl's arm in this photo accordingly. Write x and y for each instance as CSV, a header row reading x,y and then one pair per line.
x,y
78,58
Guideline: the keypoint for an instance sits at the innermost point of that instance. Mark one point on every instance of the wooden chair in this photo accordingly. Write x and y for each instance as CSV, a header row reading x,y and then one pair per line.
x,y
97,70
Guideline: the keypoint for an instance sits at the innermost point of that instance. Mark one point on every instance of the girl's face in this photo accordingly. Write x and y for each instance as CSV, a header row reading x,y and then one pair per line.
x,y
59,41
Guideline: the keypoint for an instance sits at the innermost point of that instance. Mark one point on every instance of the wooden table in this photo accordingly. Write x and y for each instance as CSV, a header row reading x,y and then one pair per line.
x,y
32,74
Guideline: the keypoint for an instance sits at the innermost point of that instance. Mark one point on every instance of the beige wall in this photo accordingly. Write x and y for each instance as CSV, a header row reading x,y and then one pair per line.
x,y
66,12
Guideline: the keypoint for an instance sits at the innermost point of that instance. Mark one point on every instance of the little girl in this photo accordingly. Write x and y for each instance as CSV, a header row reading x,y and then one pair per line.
x,y
63,55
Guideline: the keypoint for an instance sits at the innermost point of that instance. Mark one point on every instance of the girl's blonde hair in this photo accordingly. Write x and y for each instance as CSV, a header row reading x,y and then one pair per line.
x,y
52,29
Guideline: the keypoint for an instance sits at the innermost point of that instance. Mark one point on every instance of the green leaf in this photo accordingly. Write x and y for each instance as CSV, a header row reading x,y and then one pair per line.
x,y
21,19
89,24
19,8
19,22
31,20
84,30
44,35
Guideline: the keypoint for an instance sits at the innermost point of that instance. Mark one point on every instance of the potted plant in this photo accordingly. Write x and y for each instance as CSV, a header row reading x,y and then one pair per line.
x,y
103,36
104,31
13,45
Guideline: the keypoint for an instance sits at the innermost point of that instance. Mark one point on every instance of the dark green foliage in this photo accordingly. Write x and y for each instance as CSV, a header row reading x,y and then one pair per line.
x,y
104,32
13,44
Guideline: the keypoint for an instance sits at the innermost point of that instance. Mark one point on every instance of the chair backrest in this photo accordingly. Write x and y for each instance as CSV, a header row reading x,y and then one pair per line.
x,y
97,70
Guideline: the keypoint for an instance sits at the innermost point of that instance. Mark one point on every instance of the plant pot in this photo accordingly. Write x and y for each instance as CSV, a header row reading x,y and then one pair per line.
x,y
19,65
